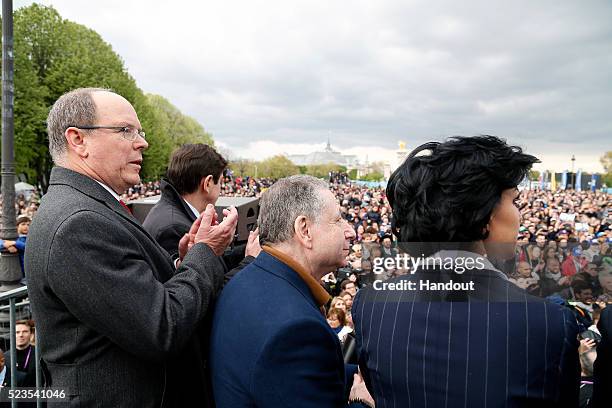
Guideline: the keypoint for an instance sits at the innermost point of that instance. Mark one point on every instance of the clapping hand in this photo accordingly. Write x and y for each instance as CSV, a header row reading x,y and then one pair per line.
x,y
207,229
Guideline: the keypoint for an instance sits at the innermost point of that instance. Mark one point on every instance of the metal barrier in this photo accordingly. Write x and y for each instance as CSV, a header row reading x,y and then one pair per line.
x,y
12,296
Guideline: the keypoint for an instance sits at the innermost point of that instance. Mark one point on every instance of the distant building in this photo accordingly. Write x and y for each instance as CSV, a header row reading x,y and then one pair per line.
x,y
400,154
326,156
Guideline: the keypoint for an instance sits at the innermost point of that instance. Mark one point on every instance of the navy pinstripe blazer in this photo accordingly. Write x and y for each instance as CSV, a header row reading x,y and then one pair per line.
x,y
495,346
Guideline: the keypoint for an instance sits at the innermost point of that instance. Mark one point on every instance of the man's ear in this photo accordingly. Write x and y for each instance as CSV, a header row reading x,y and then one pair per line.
x,y
206,184
303,231
76,142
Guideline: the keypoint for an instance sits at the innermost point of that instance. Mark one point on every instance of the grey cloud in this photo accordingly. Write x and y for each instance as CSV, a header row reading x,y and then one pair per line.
x,y
539,73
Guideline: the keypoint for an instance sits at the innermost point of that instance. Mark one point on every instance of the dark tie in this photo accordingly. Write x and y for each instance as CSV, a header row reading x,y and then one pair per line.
x,y
124,205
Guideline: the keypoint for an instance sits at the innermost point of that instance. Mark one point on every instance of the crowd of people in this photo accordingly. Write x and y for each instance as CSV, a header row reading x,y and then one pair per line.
x,y
563,250
563,247
230,187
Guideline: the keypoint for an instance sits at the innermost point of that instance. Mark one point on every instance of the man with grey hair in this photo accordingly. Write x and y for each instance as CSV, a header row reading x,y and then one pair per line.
x,y
280,351
117,322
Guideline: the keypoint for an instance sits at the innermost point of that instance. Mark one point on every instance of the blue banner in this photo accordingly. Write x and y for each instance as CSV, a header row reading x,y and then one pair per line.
x,y
564,180
595,181
578,186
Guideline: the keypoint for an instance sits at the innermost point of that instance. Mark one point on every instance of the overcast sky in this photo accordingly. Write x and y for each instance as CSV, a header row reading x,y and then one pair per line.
x,y
281,76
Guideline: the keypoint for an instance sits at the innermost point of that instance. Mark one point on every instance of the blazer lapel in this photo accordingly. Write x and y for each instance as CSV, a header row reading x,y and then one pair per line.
x,y
87,186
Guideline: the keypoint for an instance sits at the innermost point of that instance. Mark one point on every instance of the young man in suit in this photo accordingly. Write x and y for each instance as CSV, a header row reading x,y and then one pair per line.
x,y
473,339
115,318
271,345
193,181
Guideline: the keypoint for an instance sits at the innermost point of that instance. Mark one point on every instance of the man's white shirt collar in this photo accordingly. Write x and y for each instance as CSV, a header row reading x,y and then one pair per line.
x,y
193,209
110,190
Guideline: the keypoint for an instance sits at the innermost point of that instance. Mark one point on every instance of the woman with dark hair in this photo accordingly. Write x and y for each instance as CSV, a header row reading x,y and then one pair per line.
x,y
463,191
463,336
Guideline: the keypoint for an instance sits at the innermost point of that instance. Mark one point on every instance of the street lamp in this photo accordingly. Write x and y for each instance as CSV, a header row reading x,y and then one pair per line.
x,y
10,268
573,182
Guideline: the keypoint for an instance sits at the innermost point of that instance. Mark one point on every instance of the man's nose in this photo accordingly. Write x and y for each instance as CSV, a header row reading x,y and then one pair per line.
x,y
140,143
349,232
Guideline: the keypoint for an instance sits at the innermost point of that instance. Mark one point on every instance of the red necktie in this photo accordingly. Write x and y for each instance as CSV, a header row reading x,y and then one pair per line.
x,y
124,205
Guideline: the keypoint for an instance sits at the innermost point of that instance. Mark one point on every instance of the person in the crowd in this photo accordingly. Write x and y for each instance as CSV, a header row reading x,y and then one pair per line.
x,y
387,249
551,280
331,284
116,319
605,282
291,358
355,257
574,262
18,245
337,321
349,285
5,371
582,290
458,199
337,303
348,299
525,278
25,371
348,302
23,227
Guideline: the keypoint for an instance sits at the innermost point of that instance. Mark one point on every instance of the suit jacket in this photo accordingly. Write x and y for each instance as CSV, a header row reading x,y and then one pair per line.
x,y
171,218
602,384
495,346
167,222
270,345
114,318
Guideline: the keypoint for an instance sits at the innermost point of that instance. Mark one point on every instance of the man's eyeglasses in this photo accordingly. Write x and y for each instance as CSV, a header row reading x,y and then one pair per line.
x,y
127,132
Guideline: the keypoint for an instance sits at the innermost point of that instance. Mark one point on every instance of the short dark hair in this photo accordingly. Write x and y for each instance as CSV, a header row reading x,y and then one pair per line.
x,y
449,194
579,285
345,283
190,163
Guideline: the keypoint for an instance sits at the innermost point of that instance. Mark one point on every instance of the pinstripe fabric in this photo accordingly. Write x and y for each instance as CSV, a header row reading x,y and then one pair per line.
x,y
458,350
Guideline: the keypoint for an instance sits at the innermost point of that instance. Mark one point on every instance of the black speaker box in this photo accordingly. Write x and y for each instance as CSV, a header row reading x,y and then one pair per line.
x,y
247,207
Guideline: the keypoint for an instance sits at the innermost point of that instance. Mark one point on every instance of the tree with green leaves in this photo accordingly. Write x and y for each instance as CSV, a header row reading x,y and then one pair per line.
x,y
243,167
54,56
534,175
606,163
323,170
373,176
277,167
